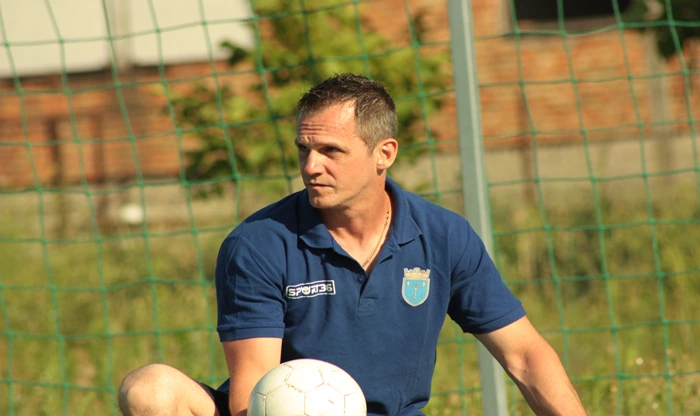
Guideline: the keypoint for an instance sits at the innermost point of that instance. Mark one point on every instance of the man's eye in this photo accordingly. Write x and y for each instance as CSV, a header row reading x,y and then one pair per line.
x,y
331,150
302,148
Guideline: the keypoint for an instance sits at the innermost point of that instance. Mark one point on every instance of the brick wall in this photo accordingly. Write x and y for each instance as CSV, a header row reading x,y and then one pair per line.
x,y
101,130
595,86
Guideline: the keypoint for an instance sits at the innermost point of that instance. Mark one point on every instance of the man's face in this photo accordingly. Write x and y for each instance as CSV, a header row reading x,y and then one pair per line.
x,y
334,161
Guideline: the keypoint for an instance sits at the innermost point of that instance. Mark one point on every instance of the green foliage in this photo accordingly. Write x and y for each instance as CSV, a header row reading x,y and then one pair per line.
x,y
673,26
248,129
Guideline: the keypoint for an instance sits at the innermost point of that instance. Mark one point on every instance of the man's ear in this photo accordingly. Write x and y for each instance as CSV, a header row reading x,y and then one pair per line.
x,y
386,152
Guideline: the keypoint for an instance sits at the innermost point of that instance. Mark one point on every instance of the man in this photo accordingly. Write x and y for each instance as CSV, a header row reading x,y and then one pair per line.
x,y
357,272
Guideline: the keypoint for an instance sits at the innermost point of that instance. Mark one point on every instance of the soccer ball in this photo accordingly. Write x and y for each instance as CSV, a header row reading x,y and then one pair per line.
x,y
307,387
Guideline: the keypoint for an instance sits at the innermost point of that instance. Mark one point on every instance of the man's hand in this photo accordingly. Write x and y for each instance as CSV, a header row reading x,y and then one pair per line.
x,y
535,367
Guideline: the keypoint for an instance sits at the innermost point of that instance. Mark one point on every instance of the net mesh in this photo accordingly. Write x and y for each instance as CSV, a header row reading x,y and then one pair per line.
x,y
119,184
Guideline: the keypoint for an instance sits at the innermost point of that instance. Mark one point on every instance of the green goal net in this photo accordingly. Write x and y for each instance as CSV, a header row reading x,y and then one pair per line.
x,y
134,135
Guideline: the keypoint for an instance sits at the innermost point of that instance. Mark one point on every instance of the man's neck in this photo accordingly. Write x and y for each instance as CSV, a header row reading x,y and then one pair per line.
x,y
358,223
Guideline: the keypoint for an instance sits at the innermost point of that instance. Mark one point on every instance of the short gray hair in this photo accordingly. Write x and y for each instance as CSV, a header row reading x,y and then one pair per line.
x,y
375,110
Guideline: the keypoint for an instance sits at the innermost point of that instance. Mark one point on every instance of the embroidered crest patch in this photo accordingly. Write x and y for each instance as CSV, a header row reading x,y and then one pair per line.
x,y
416,285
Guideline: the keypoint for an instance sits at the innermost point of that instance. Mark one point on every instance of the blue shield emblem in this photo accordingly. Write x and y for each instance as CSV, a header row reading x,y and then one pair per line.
x,y
416,285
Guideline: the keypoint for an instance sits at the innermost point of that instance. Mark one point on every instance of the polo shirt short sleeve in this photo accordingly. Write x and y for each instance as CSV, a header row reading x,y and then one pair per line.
x,y
250,274
480,301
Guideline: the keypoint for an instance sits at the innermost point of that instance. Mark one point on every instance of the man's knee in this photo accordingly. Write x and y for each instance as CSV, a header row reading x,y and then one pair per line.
x,y
149,390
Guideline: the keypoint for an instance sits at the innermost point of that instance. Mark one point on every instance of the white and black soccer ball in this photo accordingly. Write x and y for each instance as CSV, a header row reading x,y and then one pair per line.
x,y
307,387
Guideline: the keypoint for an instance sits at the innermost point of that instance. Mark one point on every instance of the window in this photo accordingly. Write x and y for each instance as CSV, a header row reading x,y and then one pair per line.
x,y
546,10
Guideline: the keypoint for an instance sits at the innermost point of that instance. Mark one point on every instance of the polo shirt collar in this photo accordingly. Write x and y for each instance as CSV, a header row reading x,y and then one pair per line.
x,y
314,233
312,230
403,228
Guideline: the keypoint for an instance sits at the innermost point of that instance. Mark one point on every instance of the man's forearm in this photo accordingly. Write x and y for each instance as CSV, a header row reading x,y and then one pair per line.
x,y
248,361
237,405
546,386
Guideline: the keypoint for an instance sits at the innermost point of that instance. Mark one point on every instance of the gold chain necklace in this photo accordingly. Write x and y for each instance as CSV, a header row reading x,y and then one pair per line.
x,y
381,237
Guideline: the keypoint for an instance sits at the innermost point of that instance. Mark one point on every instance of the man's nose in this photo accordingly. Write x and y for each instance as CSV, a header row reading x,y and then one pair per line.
x,y
311,165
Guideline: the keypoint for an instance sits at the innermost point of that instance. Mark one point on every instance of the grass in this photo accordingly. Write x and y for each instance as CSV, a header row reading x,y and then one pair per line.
x,y
613,291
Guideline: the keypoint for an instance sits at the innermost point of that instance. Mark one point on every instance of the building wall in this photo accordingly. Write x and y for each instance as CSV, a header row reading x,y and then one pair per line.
x,y
534,88
98,132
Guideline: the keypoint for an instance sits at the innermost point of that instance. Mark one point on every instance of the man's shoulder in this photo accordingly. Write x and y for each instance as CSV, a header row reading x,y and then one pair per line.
x,y
438,225
280,217
425,211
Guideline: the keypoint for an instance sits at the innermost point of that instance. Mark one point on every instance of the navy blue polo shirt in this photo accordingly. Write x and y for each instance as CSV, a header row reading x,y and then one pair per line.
x,y
281,274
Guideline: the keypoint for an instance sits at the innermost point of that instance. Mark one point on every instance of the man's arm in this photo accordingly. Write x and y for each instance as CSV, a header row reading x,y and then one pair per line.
x,y
535,367
248,360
